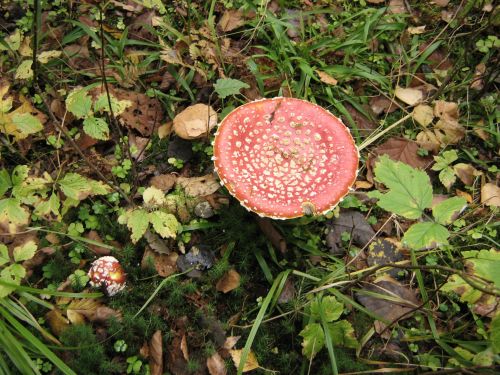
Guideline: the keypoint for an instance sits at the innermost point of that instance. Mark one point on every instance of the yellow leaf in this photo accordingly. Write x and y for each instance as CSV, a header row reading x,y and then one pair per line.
x,y
24,70
326,78
423,114
490,195
251,362
45,56
409,95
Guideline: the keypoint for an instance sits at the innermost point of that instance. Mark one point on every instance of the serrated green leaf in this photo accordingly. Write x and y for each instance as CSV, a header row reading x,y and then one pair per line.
x,y
13,41
118,106
79,103
25,251
49,206
410,190
96,127
426,235
19,174
444,160
75,186
444,211
458,285
313,339
5,181
332,308
11,274
4,254
484,263
447,177
26,124
225,87
137,222
24,70
166,225
342,334
153,196
98,187
12,211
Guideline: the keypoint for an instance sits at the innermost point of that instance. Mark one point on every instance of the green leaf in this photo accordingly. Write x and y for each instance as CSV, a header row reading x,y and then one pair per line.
x,y
118,106
96,127
166,225
11,274
25,251
49,206
98,187
26,124
137,222
495,334
447,177
425,235
458,285
484,263
4,254
5,182
225,87
79,103
24,70
75,186
444,160
313,339
19,174
444,211
331,308
342,334
410,190
12,211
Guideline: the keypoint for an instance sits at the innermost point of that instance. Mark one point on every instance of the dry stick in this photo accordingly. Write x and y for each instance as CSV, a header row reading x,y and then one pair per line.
x,y
111,116
113,185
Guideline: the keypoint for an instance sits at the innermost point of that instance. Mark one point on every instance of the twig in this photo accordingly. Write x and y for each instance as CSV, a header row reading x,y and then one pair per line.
x,y
369,141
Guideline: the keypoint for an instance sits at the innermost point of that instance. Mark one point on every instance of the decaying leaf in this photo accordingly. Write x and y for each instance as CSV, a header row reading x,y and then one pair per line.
x,y
165,264
199,186
251,362
231,20
156,353
380,104
195,121
56,321
216,365
397,6
383,251
466,173
409,95
490,195
228,282
402,300
164,182
326,78
415,30
231,342
184,348
352,222
402,149
423,114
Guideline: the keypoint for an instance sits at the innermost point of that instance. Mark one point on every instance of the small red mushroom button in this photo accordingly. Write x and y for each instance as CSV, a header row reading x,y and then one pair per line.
x,y
106,272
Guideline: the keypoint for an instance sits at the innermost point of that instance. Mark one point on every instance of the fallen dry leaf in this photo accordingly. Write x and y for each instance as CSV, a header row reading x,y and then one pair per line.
x,y
199,186
56,321
184,348
272,234
490,195
231,20
380,104
397,6
363,184
464,194
99,250
164,182
352,222
466,173
423,114
415,30
156,353
195,121
428,140
216,365
326,78
164,264
477,83
441,3
402,149
231,342
228,282
383,251
251,362
409,95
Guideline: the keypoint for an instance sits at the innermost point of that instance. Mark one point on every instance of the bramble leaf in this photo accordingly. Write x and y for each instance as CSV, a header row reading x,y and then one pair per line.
x,y
225,87
96,127
5,182
166,225
426,235
443,212
410,190
4,254
79,103
314,339
12,211
11,274
332,308
75,186
137,222
118,106
25,251
342,334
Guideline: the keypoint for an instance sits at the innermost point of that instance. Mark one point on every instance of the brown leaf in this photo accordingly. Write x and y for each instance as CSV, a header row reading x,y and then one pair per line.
x,y
352,222
402,149
231,342
165,130
104,313
79,309
415,30
423,114
441,3
38,259
478,83
383,251
490,195
99,250
449,131
231,20
199,186
165,264
397,6
410,96
164,182
56,321
326,78
288,292
195,121
466,173
216,365
156,353
380,104
390,310
138,146
251,362
157,243
360,184
428,140
184,348
272,234
228,282
364,124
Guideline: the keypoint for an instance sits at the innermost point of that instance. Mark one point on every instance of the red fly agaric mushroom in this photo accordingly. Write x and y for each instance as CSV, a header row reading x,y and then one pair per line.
x,y
285,157
106,272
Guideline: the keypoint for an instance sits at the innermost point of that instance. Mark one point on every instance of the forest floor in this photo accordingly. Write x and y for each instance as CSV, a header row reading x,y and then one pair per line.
x,y
108,114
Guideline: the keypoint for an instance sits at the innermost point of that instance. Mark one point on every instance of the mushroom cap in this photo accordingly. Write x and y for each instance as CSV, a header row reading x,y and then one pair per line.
x,y
285,157
107,272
